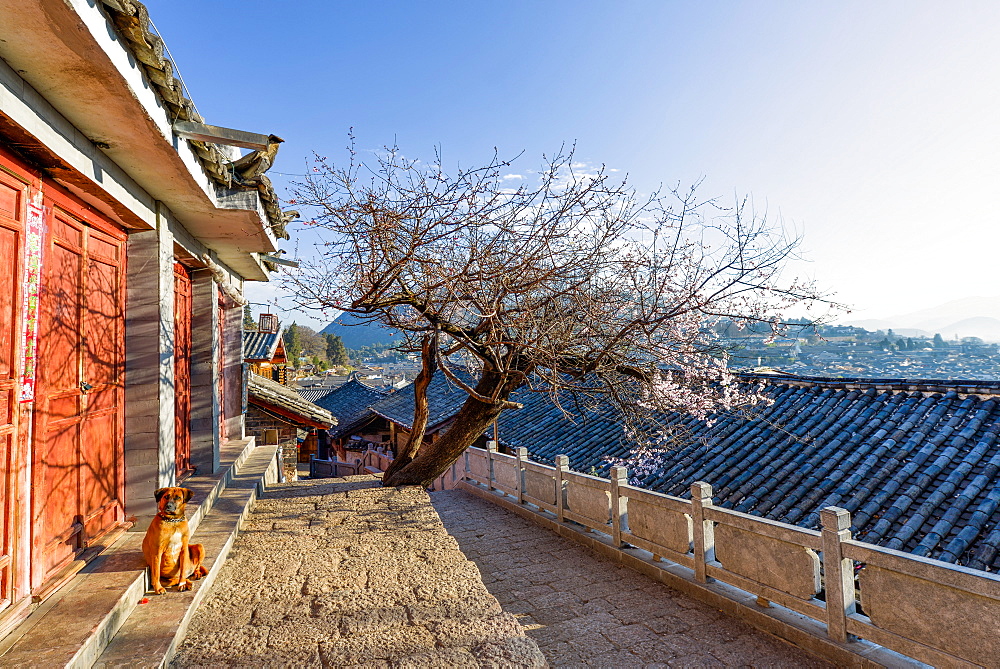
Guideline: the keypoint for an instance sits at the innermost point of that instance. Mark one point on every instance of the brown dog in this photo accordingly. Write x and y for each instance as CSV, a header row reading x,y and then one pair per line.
x,y
171,560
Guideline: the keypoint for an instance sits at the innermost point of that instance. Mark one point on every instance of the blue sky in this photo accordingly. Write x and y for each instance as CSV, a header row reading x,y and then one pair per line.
x,y
871,128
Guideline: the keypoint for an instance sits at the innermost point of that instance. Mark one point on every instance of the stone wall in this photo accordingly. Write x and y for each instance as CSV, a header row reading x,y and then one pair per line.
x,y
257,425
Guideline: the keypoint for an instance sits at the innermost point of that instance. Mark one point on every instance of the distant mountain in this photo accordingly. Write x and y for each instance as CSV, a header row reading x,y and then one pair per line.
x,y
356,333
984,327
967,317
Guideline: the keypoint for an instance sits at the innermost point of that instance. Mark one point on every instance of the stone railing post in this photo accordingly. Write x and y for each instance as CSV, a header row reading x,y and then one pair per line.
x,y
562,465
522,457
704,530
491,448
619,508
838,571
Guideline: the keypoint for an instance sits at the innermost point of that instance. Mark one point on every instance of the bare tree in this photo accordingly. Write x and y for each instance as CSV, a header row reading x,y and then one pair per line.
x,y
574,283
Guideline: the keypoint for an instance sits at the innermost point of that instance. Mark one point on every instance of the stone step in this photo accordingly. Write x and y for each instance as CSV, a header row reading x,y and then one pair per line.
x,y
74,626
150,635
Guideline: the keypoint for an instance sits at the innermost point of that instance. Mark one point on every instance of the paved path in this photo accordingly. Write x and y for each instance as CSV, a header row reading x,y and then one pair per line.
x,y
585,610
343,572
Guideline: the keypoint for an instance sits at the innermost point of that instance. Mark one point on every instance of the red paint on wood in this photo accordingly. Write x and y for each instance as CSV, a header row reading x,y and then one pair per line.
x,y
77,458
13,197
182,368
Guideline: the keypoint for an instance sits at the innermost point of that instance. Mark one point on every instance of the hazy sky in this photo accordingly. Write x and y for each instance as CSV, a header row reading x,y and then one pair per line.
x,y
871,128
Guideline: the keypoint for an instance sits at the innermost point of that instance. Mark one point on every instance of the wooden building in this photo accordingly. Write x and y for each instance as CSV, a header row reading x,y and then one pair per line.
x,y
264,349
127,230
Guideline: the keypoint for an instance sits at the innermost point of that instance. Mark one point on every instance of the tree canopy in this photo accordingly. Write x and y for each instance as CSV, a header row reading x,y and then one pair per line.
x,y
574,283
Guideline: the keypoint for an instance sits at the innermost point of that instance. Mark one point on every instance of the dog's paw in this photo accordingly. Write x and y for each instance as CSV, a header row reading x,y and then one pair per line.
x,y
184,585
160,590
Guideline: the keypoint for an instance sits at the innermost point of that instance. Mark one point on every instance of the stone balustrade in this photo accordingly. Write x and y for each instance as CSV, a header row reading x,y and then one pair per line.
x,y
935,612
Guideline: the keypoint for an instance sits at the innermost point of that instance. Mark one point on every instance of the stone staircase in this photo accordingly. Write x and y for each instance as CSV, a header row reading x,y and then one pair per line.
x,y
98,618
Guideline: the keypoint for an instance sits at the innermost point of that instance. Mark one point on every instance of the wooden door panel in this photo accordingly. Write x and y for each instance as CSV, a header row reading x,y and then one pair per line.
x,y
11,198
223,432
182,368
10,319
103,320
55,496
77,449
10,304
14,195
59,338
100,472
6,540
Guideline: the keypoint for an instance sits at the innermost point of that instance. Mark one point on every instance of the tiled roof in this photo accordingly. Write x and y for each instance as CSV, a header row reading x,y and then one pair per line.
x,y
259,345
444,399
917,463
313,394
271,394
350,403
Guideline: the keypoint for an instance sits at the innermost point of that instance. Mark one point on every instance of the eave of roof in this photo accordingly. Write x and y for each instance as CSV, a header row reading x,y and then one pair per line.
x,y
286,401
351,403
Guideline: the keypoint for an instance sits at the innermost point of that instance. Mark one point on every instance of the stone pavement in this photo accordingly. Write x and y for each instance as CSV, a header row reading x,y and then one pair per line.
x,y
343,572
585,610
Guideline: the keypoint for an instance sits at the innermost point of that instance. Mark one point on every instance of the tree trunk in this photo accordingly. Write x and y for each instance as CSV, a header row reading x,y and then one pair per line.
x,y
421,411
471,421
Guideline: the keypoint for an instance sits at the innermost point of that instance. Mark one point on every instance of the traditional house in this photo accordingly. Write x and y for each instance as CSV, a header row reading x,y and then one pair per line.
x,y
276,415
264,349
127,228
358,427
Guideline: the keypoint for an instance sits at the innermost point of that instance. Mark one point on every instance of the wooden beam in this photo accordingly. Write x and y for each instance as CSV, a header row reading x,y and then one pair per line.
x,y
279,261
216,135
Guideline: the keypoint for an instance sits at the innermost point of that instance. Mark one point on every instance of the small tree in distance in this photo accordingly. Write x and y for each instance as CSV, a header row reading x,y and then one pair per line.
x,y
335,351
575,286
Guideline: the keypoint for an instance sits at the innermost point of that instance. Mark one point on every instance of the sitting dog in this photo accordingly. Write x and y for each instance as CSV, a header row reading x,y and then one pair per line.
x,y
171,560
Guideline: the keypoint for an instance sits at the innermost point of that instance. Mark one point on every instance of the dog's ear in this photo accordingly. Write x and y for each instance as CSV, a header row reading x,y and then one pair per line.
x,y
187,494
159,493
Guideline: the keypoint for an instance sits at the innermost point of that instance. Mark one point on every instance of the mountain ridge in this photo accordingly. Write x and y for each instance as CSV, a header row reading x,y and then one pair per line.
x,y
965,317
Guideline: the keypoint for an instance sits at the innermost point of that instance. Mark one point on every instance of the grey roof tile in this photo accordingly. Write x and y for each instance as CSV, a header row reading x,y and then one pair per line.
x,y
267,392
350,403
259,345
444,399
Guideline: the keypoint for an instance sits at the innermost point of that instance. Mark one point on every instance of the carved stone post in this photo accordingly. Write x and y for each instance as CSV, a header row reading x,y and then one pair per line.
x,y
562,464
491,448
619,504
704,530
522,457
838,572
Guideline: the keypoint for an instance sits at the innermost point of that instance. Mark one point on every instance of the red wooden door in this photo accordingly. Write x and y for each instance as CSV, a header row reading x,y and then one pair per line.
x,y
13,199
77,459
182,368
223,433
